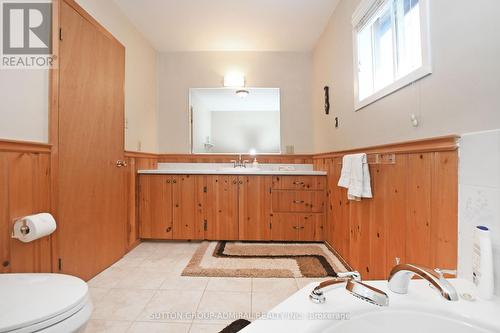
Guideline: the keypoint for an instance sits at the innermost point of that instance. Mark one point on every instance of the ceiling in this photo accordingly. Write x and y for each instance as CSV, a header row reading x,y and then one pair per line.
x,y
229,25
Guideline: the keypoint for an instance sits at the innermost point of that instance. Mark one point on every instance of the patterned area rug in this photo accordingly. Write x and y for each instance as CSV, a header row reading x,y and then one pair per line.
x,y
263,260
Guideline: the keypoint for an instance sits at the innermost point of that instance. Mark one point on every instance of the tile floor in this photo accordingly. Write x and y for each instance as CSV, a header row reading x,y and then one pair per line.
x,y
145,292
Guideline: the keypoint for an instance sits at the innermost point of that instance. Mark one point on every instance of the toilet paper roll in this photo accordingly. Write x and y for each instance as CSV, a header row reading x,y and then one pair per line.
x,y
39,225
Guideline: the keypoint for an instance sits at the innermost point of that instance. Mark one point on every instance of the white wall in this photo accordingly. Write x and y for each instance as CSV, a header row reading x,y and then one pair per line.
x,y
288,71
24,94
141,84
24,105
240,131
479,198
462,95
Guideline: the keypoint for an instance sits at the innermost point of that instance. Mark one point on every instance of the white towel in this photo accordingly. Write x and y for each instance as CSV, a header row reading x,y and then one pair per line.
x,y
345,174
355,176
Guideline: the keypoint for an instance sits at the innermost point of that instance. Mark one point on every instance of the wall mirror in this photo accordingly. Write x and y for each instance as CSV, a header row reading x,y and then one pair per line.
x,y
239,120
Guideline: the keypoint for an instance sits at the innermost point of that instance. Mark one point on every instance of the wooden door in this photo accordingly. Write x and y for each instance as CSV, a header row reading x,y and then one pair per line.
x,y
255,207
91,200
222,221
184,188
155,207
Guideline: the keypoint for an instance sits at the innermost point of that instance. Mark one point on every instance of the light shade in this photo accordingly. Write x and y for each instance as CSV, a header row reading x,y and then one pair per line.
x,y
234,80
242,93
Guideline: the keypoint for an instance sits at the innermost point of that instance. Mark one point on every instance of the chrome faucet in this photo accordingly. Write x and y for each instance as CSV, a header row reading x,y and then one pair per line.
x,y
400,277
354,286
240,163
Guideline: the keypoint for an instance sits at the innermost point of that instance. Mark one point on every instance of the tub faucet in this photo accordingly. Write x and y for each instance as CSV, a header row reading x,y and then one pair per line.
x,y
400,277
354,286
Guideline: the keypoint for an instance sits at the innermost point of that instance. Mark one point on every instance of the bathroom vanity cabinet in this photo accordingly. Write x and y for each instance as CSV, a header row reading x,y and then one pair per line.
x,y
232,207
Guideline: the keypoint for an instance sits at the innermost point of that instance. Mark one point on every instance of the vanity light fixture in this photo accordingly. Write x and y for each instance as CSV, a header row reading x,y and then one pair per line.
x,y
234,80
242,93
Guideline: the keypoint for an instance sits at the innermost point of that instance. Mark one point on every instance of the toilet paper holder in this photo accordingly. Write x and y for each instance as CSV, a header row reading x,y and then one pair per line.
x,y
24,229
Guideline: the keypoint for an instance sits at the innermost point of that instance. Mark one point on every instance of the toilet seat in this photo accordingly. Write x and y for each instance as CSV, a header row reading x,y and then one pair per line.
x,y
34,302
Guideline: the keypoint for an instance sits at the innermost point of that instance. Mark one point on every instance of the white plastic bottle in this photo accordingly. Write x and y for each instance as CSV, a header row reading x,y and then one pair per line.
x,y
482,262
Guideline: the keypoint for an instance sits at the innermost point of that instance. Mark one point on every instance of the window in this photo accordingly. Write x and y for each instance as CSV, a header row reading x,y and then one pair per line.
x,y
391,47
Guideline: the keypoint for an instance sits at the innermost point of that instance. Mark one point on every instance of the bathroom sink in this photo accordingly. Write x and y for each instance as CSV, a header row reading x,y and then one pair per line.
x,y
408,321
240,170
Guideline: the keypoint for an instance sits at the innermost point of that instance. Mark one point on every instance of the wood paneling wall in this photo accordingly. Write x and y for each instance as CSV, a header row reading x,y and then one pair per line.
x,y
413,213
135,161
24,190
224,158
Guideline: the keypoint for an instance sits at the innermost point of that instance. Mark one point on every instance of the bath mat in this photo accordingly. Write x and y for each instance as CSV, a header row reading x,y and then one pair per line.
x,y
236,326
263,260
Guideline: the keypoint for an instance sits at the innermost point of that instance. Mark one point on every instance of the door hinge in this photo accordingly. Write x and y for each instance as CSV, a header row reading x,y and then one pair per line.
x,y
205,225
59,264
270,226
60,34
205,189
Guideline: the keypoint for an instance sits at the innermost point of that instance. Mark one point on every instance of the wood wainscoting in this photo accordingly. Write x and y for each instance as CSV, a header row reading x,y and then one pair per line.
x,y
24,190
227,158
135,161
413,213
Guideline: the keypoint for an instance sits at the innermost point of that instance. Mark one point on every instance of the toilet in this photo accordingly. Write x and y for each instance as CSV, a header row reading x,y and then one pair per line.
x,y
46,303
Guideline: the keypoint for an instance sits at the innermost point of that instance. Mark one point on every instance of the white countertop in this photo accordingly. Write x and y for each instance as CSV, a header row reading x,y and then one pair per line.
x,y
298,314
227,169
228,172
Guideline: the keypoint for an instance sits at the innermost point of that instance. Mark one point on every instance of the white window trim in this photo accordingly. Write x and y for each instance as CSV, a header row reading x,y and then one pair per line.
x,y
421,72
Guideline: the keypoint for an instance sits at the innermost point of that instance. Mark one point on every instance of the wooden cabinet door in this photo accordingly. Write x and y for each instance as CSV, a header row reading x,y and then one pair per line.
x,y
155,207
310,227
222,205
90,194
184,189
284,227
255,207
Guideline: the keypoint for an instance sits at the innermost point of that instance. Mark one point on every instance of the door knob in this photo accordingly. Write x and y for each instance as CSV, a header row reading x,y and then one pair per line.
x,y
121,164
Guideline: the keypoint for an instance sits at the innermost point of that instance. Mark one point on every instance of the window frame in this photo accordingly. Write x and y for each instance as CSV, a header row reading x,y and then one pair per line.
x,y
364,9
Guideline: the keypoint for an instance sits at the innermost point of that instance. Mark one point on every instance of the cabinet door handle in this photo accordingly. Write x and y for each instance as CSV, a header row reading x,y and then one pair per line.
x,y
298,201
298,228
169,229
298,183
174,181
121,164
168,181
